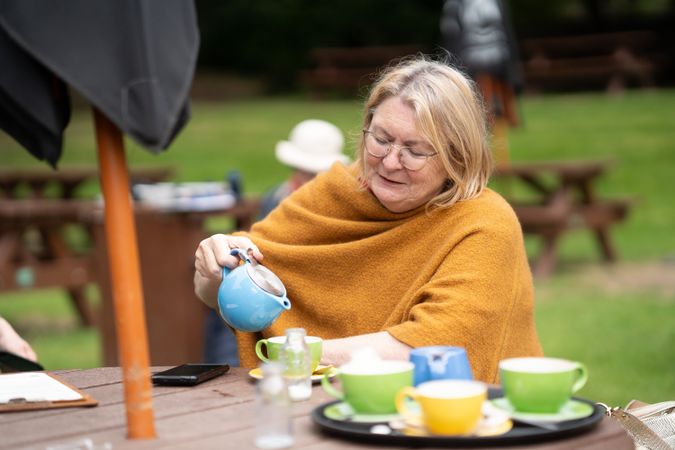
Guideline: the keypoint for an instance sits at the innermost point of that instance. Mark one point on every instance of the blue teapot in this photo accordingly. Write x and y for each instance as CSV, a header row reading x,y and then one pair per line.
x,y
251,296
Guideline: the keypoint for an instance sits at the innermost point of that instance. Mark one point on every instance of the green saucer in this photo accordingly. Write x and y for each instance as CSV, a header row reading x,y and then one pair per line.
x,y
572,410
343,412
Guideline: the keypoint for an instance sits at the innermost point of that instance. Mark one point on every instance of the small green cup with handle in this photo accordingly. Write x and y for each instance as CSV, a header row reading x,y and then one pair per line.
x,y
371,389
539,384
272,348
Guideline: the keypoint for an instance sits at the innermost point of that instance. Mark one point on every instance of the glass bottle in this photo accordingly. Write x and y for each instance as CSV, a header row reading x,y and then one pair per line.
x,y
273,409
297,361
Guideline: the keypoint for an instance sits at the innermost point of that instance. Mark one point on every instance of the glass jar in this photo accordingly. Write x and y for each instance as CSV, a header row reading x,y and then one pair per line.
x,y
297,361
274,427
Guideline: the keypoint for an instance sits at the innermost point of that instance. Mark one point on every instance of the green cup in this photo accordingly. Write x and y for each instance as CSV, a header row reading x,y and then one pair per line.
x,y
371,390
272,347
541,385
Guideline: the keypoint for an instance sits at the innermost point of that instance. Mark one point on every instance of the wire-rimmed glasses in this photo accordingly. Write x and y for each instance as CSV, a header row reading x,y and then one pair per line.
x,y
410,158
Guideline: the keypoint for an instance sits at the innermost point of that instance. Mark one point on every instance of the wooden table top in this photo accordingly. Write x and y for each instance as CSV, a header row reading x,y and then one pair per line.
x,y
217,414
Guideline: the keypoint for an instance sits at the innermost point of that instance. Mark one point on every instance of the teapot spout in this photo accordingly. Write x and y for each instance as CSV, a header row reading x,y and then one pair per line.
x,y
283,302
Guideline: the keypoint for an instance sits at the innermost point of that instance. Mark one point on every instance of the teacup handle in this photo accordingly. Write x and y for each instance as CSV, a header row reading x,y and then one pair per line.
x,y
582,377
330,390
402,407
258,350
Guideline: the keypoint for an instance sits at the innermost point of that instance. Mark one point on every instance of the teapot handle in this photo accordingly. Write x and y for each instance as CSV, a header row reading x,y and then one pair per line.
x,y
243,255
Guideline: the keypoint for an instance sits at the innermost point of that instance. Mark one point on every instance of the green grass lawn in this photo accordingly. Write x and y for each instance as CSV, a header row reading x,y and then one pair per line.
x,y
625,336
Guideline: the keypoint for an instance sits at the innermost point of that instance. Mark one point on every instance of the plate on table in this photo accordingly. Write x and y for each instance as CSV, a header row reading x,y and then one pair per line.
x,y
386,432
494,422
316,376
343,412
572,410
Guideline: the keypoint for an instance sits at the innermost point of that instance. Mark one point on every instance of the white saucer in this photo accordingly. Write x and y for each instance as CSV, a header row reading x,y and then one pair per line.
x,y
343,412
316,376
572,410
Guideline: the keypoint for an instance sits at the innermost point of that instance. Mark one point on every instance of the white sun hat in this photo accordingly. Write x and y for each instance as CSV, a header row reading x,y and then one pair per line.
x,y
313,146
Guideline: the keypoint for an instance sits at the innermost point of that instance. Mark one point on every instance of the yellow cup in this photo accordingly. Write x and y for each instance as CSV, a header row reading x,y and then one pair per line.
x,y
448,407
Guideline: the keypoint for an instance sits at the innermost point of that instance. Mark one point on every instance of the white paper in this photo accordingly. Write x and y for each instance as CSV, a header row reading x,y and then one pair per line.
x,y
34,387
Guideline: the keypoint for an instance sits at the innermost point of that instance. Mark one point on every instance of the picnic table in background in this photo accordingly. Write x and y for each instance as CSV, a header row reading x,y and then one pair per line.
x,y
610,60
349,69
37,206
219,413
565,198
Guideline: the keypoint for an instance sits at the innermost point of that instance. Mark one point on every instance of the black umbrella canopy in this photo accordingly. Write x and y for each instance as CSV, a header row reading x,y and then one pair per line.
x,y
34,104
132,59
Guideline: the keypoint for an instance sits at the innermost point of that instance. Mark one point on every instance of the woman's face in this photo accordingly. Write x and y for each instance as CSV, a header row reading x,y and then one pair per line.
x,y
397,188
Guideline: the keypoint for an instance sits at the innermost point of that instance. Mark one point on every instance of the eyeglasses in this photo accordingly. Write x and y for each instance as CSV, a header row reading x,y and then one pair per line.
x,y
409,157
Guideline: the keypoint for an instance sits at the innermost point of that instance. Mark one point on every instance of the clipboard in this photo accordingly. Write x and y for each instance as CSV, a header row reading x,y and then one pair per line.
x,y
25,391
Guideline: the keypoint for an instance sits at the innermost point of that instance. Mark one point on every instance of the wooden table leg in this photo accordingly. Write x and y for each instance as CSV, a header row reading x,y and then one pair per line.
x,y
84,310
9,243
58,249
608,252
546,262
601,233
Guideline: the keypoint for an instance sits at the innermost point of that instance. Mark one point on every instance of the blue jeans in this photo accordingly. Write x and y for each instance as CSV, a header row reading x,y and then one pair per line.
x,y
220,344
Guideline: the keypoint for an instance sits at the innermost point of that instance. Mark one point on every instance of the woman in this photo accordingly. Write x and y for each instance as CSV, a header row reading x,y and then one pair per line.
x,y
404,248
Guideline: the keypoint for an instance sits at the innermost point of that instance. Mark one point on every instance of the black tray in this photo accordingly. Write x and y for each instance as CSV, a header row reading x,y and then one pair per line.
x,y
519,434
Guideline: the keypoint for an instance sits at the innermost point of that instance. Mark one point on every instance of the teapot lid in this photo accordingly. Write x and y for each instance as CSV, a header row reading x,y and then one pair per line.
x,y
265,279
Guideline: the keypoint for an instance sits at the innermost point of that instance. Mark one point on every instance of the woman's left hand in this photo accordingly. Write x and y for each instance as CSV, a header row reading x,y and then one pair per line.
x,y
13,343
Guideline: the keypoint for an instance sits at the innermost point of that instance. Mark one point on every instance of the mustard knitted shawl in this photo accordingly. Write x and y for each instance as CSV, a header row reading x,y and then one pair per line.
x,y
453,276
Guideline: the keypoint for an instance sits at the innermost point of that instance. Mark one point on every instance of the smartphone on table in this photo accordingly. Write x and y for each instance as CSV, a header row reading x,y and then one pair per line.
x,y
10,362
189,374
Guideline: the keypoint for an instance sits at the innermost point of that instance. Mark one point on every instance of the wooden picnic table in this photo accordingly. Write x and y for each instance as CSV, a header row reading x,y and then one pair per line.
x,y
565,199
217,414
37,206
66,180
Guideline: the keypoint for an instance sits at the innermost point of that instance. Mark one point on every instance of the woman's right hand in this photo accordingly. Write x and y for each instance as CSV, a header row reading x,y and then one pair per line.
x,y
212,255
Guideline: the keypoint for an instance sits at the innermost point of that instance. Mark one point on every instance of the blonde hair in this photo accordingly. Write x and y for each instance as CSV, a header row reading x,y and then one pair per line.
x,y
450,116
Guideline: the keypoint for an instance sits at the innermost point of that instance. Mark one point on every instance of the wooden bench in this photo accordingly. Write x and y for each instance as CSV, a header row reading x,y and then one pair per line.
x,y
564,200
610,60
347,70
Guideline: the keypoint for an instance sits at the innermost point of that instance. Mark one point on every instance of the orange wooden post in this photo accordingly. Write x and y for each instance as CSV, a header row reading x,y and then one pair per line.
x,y
132,336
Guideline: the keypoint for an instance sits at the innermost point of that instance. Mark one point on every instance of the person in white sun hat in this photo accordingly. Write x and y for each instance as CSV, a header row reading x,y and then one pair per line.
x,y
313,146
